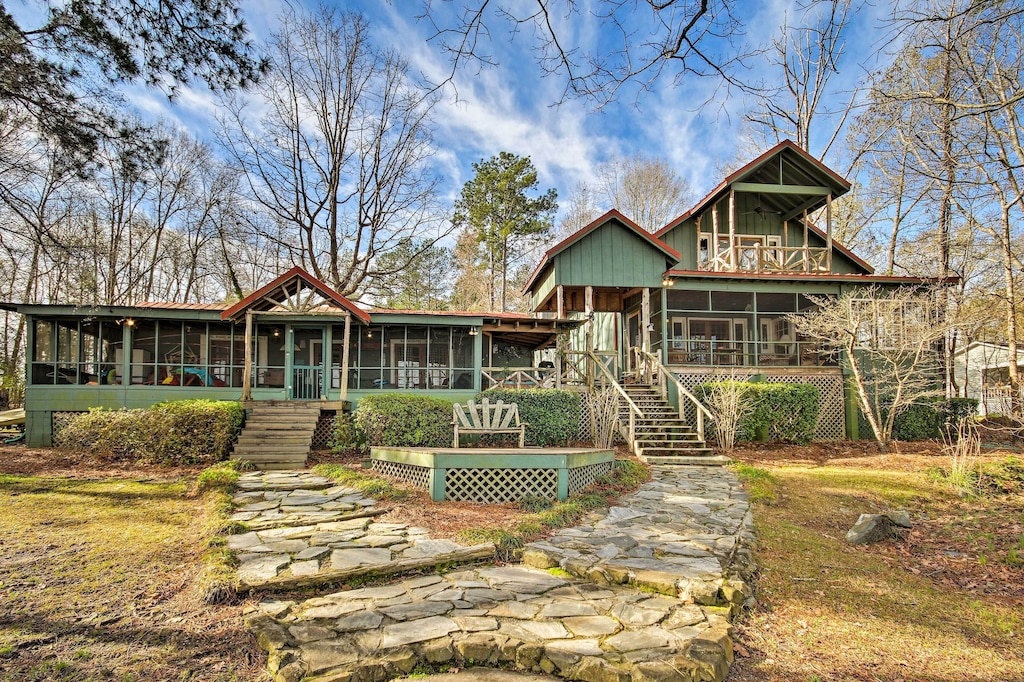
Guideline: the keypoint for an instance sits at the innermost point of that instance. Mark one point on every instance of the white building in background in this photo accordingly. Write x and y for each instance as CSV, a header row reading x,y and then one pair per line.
x,y
982,372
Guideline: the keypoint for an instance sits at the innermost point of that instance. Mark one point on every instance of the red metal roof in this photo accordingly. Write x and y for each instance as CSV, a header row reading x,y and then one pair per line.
x,y
172,305
579,234
308,279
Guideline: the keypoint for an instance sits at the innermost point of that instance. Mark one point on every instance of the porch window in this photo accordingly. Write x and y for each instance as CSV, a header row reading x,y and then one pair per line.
x,y
194,354
401,357
270,356
77,352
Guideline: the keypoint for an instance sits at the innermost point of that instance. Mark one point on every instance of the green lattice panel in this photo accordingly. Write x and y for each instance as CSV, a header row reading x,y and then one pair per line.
x,y
499,485
410,473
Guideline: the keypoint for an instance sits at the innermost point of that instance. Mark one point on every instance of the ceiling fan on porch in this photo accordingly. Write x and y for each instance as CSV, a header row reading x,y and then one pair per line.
x,y
761,210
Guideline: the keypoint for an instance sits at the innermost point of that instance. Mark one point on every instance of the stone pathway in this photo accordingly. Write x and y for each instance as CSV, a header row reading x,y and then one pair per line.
x,y
687,534
305,531
585,607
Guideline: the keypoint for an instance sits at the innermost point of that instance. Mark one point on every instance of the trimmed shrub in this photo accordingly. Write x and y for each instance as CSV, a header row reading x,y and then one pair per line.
x,y
401,420
172,433
919,421
345,434
784,412
552,415
927,419
789,412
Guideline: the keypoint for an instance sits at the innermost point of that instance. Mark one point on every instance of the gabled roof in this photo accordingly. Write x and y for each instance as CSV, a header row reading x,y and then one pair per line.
x,y
802,164
289,286
583,232
989,346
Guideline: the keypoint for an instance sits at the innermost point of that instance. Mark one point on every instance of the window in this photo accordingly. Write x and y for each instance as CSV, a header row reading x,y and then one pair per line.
x,y
409,357
77,352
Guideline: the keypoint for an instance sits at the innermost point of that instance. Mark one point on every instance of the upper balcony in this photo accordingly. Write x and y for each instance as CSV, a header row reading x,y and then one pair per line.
x,y
752,256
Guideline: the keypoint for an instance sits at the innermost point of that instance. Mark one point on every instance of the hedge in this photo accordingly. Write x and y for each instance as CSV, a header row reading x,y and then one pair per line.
x,y
926,419
784,412
172,433
401,420
552,415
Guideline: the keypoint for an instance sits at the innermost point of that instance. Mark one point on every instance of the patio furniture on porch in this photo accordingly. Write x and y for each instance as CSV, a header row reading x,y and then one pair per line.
x,y
487,418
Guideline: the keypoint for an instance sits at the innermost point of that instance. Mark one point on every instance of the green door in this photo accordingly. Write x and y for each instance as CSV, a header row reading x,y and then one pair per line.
x,y
308,364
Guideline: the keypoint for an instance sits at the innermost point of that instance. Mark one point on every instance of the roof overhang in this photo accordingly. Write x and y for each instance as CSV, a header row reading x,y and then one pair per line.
x,y
294,292
583,232
812,277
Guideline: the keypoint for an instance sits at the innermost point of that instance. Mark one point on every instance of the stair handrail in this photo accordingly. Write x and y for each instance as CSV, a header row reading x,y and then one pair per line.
x,y
654,369
634,411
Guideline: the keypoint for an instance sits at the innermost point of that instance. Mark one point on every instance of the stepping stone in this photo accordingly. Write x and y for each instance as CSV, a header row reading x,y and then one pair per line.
x,y
305,568
633,640
243,541
534,630
383,592
352,558
566,609
429,548
400,634
261,567
365,620
591,626
525,580
312,553
417,610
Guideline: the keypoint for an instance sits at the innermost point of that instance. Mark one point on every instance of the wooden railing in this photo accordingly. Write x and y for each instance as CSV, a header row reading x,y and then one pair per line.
x,y
602,377
763,258
649,370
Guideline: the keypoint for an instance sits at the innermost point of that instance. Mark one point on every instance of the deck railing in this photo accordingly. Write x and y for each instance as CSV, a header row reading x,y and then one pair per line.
x,y
602,377
721,353
307,383
763,258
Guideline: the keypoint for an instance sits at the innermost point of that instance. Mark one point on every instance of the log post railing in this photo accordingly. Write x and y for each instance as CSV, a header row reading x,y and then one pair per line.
x,y
651,371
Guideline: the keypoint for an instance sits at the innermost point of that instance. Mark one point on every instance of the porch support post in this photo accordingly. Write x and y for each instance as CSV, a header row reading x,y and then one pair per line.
x,y
560,293
664,328
785,236
645,321
807,253
588,309
247,369
714,236
732,230
344,357
828,233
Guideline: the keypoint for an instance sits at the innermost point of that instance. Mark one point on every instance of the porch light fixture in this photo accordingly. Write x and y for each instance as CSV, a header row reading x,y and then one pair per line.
x,y
369,333
650,327
473,331
666,282
277,332
129,322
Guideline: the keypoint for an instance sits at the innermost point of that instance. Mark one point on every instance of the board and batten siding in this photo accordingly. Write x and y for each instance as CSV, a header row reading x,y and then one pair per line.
x,y
611,256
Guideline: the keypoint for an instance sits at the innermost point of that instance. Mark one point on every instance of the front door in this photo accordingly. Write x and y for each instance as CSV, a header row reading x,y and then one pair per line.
x,y
308,363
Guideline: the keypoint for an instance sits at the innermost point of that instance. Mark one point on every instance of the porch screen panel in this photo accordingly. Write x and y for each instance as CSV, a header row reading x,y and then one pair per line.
x,y
463,361
222,362
143,367
43,369
370,358
439,355
67,352
394,357
270,356
169,352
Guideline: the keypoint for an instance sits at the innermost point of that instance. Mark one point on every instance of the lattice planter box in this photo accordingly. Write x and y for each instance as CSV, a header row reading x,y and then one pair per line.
x,y
495,475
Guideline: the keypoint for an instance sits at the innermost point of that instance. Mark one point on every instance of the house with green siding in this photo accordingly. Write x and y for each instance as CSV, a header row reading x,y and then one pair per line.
x,y
706,296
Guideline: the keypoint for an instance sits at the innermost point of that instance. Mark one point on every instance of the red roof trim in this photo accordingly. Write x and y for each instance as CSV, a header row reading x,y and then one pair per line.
x,y
811,277
298,272
582,232
735,175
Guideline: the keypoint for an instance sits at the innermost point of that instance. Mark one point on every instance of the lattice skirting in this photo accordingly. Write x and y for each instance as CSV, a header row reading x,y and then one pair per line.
x,y
324,430
581,478
499,485
58,420
832,408
410,473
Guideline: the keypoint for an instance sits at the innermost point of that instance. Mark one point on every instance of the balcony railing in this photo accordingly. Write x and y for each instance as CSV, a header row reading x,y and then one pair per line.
x,y
760,258
720,353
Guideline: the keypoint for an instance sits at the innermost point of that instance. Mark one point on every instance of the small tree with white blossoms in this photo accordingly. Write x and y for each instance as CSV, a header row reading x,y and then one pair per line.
x,y
889,341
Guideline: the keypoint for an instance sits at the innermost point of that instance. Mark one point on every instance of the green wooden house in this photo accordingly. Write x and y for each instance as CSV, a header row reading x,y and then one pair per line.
x,y
705,296
708,295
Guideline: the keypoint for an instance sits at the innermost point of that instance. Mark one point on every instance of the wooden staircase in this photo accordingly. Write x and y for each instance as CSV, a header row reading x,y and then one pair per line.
x,y
277,435
661,436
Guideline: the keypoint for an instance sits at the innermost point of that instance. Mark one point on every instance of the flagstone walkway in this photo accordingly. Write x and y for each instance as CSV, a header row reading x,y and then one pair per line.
x,y
585,605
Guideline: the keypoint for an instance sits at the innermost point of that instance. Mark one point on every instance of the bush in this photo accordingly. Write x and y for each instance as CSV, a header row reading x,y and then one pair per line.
x,y
172,433
919,421
789,412
552,415
400,420
346,435
928,419
784,412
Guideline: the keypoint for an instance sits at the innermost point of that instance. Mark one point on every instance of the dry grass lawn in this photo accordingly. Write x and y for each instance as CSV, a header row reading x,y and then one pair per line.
x,y
946,603
97,580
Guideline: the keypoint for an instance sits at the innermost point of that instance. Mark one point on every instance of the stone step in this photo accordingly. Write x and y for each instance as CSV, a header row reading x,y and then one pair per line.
x,y
688,460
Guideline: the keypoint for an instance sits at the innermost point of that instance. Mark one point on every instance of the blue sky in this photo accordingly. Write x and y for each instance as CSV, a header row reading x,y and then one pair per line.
x,y
510,107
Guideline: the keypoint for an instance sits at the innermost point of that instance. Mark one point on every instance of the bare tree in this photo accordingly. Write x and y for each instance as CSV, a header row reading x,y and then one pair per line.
x,y
804,59
646,190
643,40
889,342
730,401
339,156
581,209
